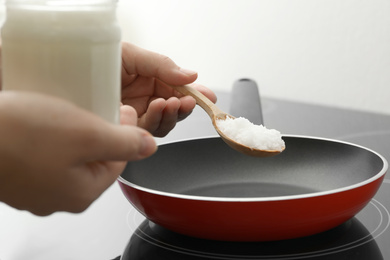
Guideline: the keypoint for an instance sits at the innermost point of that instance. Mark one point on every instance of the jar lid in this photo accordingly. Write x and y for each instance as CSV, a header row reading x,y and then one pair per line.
x,y
61,2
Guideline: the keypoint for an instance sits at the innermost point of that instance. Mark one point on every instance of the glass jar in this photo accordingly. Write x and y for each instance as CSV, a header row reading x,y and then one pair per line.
x,y
2,14
67,48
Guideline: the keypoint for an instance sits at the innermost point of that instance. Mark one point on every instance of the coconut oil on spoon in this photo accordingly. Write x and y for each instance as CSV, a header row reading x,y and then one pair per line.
x,y
238,133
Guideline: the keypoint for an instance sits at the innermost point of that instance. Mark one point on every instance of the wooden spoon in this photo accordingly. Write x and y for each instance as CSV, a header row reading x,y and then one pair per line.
x,y
215,113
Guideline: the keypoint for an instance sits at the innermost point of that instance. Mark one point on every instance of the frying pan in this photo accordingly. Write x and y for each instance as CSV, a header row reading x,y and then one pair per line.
x,y
203,188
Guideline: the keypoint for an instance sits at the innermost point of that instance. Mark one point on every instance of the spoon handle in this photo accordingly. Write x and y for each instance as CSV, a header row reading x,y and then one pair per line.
x,y
211,109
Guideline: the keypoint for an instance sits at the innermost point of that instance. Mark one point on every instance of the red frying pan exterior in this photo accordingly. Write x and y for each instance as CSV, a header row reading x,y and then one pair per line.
x,y
262,220
266,218
176,187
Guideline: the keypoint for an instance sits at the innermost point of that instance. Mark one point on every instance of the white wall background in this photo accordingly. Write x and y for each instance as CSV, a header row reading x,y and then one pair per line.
x,y
331,52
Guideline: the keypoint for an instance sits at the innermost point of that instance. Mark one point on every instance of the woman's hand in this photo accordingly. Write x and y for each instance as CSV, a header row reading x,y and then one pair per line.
x,y
58,157
159,107
55,156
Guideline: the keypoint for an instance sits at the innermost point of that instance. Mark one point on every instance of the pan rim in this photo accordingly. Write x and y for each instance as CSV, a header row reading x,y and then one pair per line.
x,y
377,176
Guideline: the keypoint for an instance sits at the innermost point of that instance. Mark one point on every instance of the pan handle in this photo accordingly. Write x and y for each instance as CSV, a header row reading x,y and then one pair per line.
x,y
245,101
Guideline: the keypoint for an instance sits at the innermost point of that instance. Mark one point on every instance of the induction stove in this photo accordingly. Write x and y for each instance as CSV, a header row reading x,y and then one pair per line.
x,y
366,236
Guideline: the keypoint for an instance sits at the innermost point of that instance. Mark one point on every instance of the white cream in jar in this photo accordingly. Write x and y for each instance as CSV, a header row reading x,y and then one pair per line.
x,y
66,48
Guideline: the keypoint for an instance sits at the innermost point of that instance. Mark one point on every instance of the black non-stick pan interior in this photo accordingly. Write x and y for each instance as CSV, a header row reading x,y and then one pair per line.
x,y
208,167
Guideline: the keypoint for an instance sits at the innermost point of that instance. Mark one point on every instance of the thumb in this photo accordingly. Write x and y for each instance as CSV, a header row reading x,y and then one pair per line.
x,y
129,143
121,143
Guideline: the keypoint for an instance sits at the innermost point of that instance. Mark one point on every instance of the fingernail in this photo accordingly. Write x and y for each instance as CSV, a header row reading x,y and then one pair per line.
x,y
149,146
188,72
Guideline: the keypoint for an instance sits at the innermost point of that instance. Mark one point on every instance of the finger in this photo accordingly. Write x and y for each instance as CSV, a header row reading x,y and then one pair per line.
x,y
128,115
187,106
188,103
150,121
169,117
206,91
136,60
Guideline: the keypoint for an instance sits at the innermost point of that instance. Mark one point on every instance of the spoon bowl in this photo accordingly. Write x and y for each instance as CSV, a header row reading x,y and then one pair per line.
x,y
215,113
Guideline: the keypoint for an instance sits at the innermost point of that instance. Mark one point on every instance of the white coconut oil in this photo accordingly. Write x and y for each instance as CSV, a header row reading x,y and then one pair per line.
x,y
245,132
66,48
